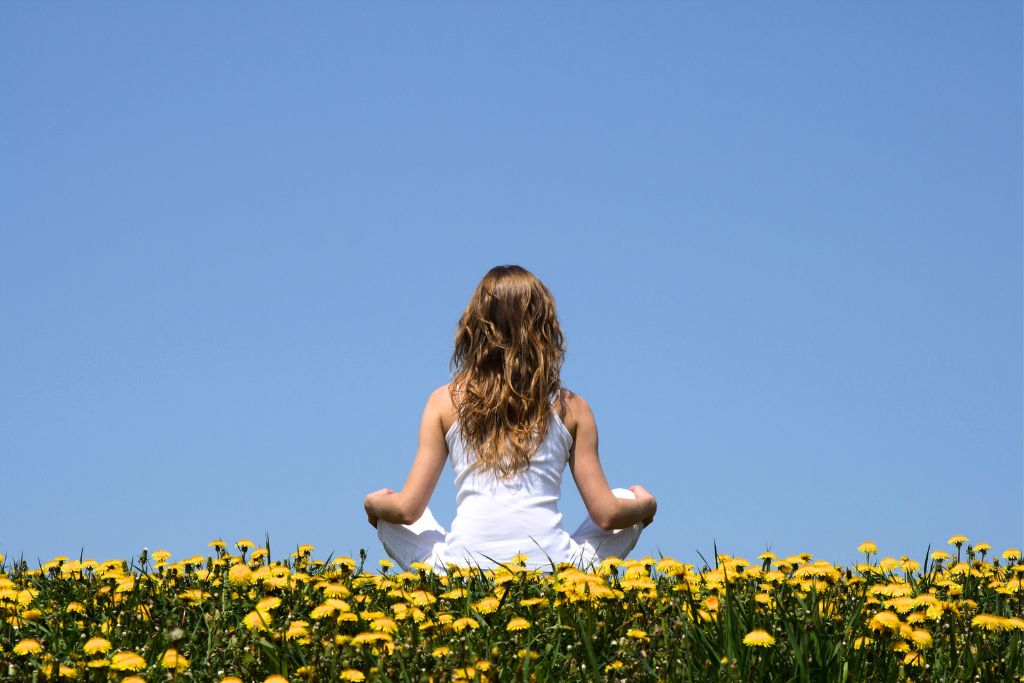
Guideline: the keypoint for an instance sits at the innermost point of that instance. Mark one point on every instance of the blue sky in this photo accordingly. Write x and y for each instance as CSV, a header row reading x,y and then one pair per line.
x,y
785,242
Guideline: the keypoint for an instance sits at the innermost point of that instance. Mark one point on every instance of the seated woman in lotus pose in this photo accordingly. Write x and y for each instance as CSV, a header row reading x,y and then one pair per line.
x,y
509,429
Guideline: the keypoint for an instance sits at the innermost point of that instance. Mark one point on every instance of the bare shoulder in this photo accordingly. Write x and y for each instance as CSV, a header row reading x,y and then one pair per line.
x,y
573,409
441,404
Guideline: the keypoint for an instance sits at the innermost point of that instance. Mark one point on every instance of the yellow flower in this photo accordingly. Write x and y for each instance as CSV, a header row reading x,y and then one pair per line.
x,y
127,661
921,637
957,540
96,644
133,679
386,564
867,547
989,622
530,602
218,544
440,651
346,562
914,659
172,660
1008,554
637,633
370,637
758,637
240,574
245,544
517,624
231,679
884,620
297,629
1013,622
614,666
384,624
464,622
939,555
274,678
160,555
486,605
860,642
257,621
28,646
352,675
267,604
983,547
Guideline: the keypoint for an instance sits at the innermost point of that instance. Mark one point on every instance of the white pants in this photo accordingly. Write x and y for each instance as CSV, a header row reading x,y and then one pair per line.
x,y
408,543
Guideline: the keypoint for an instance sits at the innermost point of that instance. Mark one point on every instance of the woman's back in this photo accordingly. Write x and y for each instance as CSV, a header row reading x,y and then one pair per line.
x,y
502,518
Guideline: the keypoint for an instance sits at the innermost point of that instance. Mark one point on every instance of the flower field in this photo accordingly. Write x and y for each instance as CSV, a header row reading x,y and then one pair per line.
x,y
233,614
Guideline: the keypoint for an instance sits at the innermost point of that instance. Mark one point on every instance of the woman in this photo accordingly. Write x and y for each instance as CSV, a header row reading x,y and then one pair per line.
x,y
510,428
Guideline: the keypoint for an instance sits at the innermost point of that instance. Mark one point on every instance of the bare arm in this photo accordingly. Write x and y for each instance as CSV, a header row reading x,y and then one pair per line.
x,y
607,511
407,505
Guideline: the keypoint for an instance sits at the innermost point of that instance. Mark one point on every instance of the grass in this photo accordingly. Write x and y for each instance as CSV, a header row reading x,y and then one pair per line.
x,y
956,617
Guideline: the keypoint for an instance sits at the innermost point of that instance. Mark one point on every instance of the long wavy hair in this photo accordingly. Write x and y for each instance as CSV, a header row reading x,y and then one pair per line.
x,y
506,365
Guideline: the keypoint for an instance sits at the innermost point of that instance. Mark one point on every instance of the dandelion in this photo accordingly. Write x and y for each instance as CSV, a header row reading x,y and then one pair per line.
x,y
486,605
96,644
867,547
614,666
297,629
913,659
884,620
439,652
267,604
517,624
173,660
1013,623
243,545
921,637
257,621
384,624
989,622
1008,554
133,679
160,555
231,679
275,679
127,661
240,574
28,646
637,633
346,562
957,540
463,623
758,637
352,675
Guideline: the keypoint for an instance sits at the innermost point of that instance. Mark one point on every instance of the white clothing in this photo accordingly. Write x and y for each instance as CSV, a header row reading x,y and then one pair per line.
x,y
495,519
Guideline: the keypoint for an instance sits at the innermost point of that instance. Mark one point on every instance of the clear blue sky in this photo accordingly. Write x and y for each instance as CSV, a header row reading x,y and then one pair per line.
x,y
785,240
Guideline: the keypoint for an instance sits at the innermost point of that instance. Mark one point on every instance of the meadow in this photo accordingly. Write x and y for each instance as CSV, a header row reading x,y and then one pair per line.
x,y
234,614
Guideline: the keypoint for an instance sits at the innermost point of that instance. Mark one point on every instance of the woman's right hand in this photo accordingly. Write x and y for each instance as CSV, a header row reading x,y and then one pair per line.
x,y
644,495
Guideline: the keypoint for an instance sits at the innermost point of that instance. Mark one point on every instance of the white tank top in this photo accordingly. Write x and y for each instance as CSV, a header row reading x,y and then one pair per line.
x,y
499,519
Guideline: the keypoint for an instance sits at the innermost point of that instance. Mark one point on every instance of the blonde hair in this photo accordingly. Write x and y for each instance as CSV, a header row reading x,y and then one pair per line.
x,y
506,364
